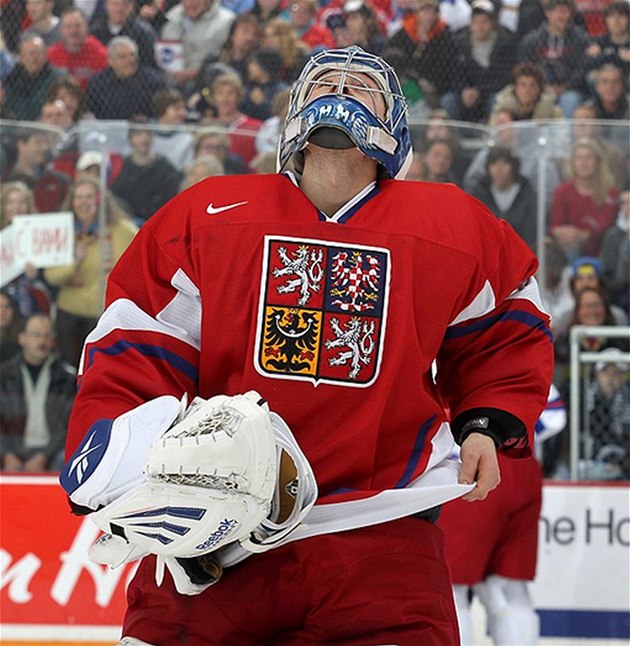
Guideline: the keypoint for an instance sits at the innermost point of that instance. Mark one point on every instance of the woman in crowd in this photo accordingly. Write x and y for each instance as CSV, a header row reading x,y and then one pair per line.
x,y
526,97
16,198
67,90
359,26
172,139
266,10
81,284
226,96
30,291
241,43
592,308
262,84
438,160
438,127
279,35
269,134
585,272
584,207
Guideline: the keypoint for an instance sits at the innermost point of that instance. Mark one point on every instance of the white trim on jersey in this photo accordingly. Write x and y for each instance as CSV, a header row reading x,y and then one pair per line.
x,y
184,311
347,206
124,314
337,215
529,292
483,303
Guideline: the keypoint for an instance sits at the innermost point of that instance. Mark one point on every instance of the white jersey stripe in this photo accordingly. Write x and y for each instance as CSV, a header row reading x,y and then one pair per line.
x,y
529,292
183,313
483,303
123,314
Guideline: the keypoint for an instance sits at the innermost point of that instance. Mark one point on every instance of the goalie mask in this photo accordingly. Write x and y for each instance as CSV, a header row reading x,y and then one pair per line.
x,y
361,105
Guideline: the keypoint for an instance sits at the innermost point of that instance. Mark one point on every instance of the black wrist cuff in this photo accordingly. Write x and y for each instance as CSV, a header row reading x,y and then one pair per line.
x,y
481,425
504,428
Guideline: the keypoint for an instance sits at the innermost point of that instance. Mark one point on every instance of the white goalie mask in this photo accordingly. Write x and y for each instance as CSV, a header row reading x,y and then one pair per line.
x,y
348,98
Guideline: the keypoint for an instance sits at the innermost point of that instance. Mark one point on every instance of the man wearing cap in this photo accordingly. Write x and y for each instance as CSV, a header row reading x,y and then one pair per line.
x,y
607,443
487,56
89,163
424,50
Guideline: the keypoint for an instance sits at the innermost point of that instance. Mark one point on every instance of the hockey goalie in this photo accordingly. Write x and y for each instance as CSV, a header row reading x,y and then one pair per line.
x,y
336,330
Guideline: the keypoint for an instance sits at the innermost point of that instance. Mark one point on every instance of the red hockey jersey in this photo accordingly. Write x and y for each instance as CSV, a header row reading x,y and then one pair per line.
x,y
241,283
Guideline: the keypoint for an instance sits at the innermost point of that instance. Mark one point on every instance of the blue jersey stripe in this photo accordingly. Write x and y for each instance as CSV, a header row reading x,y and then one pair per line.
x,y
416,454
148,350
513,315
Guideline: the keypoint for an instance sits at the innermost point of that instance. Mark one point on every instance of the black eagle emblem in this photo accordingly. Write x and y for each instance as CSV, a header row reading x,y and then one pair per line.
x,y
291,339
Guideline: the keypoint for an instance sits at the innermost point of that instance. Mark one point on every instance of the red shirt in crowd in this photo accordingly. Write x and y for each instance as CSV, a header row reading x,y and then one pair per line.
x,y
84,64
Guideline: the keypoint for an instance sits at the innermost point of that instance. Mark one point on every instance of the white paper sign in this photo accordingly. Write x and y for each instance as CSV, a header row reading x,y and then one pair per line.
x,y
170,55
42,239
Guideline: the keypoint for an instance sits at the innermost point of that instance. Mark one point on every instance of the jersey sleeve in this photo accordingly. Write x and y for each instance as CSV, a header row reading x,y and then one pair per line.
x,y
147,341
496,359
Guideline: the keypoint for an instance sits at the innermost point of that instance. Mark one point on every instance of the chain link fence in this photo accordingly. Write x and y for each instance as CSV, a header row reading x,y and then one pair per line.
x,y
600,406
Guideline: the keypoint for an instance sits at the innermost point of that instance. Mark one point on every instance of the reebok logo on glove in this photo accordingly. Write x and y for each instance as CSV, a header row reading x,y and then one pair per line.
x,y
225,528
87,457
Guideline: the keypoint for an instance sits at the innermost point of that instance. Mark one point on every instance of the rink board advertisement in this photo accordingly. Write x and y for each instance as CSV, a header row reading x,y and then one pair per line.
x,y
51,590
582,586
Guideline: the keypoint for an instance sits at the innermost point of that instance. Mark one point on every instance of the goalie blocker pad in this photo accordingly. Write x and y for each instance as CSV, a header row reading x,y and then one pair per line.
x,y
109,461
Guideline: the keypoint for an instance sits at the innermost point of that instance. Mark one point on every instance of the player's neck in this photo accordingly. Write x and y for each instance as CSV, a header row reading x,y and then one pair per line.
x,y
333,177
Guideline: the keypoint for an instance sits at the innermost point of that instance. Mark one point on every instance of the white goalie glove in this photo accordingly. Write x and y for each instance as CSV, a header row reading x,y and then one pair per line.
x,y
227,472
208,481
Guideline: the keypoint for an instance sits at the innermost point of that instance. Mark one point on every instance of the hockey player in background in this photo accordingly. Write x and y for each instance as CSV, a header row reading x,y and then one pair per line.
x,y
330,290
492,547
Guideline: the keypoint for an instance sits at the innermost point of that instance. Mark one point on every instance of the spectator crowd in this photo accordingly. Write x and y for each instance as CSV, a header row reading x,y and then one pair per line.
x,y
192,88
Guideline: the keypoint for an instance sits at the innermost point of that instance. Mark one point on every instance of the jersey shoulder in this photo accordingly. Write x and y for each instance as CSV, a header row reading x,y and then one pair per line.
x,y
444,212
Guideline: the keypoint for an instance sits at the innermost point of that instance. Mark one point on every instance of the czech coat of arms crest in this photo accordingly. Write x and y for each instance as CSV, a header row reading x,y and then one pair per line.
x,y
322,312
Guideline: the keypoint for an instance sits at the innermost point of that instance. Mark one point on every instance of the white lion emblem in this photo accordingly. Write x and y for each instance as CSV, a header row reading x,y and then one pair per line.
x,y
307,267
358,338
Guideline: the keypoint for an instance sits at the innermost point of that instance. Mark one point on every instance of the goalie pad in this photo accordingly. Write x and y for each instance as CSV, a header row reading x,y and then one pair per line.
x,y
208,481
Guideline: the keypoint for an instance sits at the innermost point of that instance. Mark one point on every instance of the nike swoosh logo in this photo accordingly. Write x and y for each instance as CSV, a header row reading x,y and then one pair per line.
x,y
213,210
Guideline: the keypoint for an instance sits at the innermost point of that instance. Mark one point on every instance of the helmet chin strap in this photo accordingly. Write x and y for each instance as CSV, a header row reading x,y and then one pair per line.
x,y
328,137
